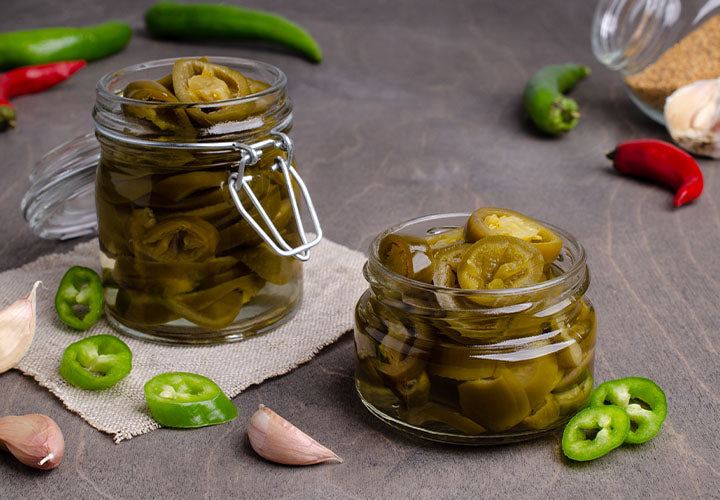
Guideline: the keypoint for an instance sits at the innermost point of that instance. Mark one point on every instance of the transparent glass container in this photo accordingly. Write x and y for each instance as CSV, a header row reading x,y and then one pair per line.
x,y
630,36
196,205
475,366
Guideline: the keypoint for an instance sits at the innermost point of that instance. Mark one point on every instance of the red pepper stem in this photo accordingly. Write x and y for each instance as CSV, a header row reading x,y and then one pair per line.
x,y
7,115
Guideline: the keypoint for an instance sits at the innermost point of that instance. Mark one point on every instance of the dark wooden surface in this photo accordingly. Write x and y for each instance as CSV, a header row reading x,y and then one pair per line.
x,y
414,110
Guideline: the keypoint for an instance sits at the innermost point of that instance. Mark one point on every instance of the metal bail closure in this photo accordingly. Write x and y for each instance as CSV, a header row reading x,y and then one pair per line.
x,y
249,155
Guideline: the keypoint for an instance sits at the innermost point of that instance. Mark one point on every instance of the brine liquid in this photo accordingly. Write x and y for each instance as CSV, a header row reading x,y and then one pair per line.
x,y
179,262
463,377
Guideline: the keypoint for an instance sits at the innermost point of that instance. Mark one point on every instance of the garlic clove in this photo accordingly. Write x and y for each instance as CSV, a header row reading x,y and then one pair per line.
x,y
277,440
686,102
17,328
692,116
35,440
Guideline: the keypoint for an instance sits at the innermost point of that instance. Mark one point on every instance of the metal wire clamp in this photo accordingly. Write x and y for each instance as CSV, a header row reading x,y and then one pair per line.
x,y
237,180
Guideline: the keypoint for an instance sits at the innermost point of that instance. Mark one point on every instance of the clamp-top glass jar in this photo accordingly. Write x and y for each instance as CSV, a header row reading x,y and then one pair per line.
x,y
636,38
473,366
198,202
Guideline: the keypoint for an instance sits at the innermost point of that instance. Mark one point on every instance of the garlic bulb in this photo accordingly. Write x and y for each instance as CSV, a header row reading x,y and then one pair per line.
x,y
17,327
277,440
35,440
692,116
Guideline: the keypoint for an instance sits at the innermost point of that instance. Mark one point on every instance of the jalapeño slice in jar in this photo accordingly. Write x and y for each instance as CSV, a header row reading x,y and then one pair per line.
x,y
198,80
407,256
181,399
171,118
446,238
488,221
497,403
447,261
499,262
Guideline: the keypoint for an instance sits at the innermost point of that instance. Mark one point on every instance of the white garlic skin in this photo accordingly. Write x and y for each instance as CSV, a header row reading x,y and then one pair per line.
x,y
692,117
17,328
277,440
35,440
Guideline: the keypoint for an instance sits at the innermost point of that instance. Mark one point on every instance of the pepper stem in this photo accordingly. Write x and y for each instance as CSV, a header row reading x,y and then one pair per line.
x,y
564,114
7,117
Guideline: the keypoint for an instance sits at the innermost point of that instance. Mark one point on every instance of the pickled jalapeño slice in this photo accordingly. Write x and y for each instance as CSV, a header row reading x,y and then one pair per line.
x,y
500,262
488,221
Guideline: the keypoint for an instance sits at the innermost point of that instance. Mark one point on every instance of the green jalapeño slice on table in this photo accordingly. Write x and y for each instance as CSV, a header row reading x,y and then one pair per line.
x,y
642,399
594,432
79,298
96,363
180,399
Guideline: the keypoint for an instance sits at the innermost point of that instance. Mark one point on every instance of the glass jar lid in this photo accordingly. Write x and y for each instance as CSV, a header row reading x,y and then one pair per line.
x,y
60,203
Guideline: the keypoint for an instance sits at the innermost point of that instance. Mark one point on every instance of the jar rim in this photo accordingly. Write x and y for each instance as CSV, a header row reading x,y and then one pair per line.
x,y
103,84
567,278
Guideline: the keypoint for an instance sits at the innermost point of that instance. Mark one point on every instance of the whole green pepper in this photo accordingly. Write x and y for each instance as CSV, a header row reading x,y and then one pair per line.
x,y
25,48
544,101
225,22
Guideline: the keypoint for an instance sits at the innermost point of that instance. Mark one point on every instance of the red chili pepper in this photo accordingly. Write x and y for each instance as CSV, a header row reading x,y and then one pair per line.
x,y
663,162
28,80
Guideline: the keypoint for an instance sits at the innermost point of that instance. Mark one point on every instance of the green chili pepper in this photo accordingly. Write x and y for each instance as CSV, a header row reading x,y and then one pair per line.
x,y
594,432
642,399
97,362
225,22
24,48
180,399
79,298
544,101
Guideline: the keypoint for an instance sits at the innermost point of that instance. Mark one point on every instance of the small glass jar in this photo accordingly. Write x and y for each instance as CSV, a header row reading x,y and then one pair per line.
x,y
197,204
629,36
475,366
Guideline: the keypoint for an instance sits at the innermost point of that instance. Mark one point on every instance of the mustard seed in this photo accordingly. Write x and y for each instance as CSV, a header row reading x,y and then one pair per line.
x,y
694,57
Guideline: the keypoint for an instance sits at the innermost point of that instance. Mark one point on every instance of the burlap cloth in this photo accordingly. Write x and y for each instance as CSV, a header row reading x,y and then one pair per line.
x,y
333,282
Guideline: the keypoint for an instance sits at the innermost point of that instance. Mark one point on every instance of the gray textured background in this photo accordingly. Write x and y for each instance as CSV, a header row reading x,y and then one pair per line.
x,y
415,110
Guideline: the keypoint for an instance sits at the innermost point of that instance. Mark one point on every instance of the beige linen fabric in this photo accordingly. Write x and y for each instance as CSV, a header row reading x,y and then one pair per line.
x,y
333,282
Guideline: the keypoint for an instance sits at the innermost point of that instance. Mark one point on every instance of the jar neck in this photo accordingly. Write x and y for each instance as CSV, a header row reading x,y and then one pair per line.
x,y
245,119
540,300
426,299
628,35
